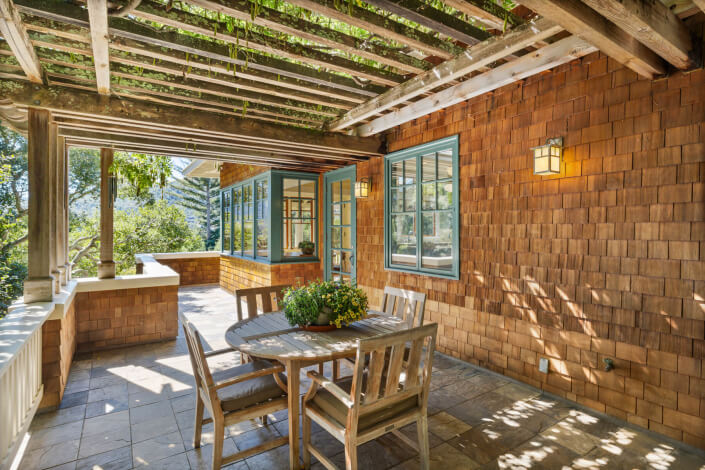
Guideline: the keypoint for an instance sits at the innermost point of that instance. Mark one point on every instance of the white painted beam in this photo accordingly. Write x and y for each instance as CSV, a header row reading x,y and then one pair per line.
x,y
98,17
542,59
475,58
14,32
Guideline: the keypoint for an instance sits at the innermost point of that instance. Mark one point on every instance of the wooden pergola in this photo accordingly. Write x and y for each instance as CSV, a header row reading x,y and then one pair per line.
x,y
308,83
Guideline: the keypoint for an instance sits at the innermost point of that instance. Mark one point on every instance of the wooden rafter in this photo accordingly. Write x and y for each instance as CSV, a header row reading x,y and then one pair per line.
x,y
436,20
125,28
380,26
66,100
486,12
194,23
98,17
542,59
473,59
586,23
74,39
652,24
14,32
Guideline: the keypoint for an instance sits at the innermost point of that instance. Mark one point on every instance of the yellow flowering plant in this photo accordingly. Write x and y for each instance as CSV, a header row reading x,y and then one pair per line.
x,y
342,303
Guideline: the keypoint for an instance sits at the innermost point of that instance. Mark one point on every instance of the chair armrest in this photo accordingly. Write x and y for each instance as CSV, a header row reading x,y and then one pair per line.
x,y
219,351
329,385
248,376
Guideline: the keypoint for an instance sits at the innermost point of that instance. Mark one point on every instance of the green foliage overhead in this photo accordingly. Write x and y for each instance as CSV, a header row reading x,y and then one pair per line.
x,y
142,171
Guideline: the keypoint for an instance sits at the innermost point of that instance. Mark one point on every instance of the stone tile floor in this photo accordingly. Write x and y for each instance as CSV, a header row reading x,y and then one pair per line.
x,y
133,408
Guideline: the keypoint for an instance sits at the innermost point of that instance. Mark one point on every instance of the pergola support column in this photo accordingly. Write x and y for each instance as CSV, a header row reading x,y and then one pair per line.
x,y
106,266
62,210
39,286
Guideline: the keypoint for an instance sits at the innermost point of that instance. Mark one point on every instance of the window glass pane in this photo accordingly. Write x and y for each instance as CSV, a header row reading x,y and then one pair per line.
x,y
410,171
247,245
225,205
397,178
345,262
409,198
345,190
262,216
290,187
347,238
337,216
335,237
335,190
335,261
346,213
403,238
307,208
445,195
437,241
445,164
397,199
428,164
237,216
428,196
308,189
293,208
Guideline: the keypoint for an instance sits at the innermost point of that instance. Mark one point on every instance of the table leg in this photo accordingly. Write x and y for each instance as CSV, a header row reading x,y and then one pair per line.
x,y
293,369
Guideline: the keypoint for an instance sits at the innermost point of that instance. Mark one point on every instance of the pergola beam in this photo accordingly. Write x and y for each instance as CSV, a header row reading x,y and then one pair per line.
x,y
475,58
437,20
542,59
652,24
586,23
14,32
98,18
78,102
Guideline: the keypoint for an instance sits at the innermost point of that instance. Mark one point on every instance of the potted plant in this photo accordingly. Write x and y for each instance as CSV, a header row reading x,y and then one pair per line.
x,y
323,306
307,247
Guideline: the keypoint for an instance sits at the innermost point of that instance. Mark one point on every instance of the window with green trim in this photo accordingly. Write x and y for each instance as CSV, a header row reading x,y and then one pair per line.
x,y
421,209
268,216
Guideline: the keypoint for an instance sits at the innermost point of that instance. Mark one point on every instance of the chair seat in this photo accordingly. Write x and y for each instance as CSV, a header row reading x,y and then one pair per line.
x,y
330,405
250,392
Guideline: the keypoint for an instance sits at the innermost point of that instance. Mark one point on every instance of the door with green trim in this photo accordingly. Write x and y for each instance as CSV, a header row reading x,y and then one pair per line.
x,y
340,218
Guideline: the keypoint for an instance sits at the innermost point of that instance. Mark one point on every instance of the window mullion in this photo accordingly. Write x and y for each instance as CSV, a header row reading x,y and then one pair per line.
x,y
419,220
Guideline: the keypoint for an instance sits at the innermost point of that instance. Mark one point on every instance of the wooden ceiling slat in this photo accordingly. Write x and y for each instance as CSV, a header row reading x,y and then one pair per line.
x,y
486,12
125,28
98,18
212,28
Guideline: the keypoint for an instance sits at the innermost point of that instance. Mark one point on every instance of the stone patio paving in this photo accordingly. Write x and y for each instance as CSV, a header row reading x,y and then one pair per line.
x,y
133,408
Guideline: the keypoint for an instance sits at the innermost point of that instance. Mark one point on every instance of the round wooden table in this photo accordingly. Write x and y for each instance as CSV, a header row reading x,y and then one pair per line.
x,y
271,337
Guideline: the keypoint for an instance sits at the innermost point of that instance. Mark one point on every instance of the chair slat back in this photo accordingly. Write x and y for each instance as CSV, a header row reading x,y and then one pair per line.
x,y
405,304
394,380
266,294
201,371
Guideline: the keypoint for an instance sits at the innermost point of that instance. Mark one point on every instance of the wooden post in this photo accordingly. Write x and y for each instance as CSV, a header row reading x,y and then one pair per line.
x,y
39,284
51,189
67,254
61,214
106,267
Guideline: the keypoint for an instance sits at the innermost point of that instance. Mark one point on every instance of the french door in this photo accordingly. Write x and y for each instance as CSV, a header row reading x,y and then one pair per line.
x,y
340,233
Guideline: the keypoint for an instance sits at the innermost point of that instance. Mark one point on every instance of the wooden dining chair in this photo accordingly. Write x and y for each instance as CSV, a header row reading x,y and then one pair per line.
x,y
370,403
269,295
243,392
405,304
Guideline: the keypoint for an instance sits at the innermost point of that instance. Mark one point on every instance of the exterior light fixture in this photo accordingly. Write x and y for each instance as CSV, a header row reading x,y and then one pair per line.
x,y
362,187
547,157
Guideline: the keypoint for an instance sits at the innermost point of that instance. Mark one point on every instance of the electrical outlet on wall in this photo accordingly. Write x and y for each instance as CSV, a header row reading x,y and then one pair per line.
x,y
543,365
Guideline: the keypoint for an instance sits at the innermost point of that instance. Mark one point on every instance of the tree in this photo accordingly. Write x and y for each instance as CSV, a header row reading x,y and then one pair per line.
x,y
200,195
153,228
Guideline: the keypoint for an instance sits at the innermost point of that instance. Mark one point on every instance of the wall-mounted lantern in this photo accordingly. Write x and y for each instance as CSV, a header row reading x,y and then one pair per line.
x,y
547,157
362,187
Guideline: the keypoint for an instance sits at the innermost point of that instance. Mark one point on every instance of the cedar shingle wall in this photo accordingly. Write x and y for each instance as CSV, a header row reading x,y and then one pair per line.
x,y
115,318
195,271
58,346
231,173
606,260
238,273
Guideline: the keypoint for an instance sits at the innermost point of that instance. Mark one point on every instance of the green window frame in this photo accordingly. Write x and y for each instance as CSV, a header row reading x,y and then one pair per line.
x,y
252,216
421,209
